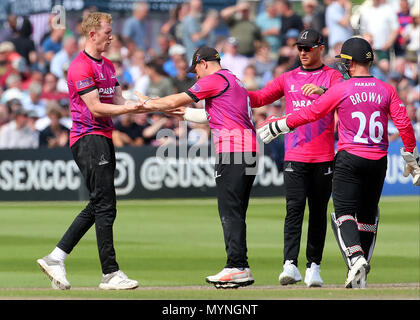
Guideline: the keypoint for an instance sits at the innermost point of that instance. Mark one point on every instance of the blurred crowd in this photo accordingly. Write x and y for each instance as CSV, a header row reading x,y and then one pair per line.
x,y
256,42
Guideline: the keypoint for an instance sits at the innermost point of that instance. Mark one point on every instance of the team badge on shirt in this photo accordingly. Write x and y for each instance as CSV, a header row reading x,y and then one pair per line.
x,y
82,84
195,88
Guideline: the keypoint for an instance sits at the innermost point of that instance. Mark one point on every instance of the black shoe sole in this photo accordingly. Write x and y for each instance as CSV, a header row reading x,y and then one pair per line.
x,y
228,284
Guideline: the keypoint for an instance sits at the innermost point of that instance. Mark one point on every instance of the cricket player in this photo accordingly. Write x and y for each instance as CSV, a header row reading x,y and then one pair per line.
x,y
229,116
309,155
95,97
363,104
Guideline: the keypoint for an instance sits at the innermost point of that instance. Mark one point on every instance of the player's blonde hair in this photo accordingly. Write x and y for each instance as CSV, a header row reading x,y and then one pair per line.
x,y
93,21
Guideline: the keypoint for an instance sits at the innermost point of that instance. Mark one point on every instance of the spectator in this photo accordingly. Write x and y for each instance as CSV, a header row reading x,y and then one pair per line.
x,y
16,134
55,134
380,69
123,75
231,58
176,52
141,119
9,28
34,76
137,70
14,88
24,45
163,42
160,85
7,49
52,44
182,82
65,117
173,25
12,106
411,35
250,79
292,56
291,37
383,27
337,20
117,46
31,100
194,33
158,121
318,20
64,56
4,115
269,24
62,82
289,19
49,89
135,27
263,62
211,21
241,27
309,7
127,132
404,19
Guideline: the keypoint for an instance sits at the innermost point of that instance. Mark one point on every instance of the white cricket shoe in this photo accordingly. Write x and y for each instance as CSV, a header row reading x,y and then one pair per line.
x,y
290,274
56,271
312,276
231,278
117,280
356,277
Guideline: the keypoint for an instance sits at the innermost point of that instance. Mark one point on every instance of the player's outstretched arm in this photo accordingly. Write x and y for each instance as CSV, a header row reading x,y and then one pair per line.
x,y
412,165
163,104
99,109
173,105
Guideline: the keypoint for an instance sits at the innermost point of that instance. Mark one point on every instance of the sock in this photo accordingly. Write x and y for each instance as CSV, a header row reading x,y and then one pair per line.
x,y
58,254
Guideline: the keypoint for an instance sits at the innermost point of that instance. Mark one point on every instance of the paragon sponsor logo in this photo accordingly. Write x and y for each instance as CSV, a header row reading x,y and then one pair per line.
x,y
106,91
297,104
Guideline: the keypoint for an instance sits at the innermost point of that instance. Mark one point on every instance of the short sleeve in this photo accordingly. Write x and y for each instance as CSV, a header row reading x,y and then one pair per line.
x,y
82,77
208,87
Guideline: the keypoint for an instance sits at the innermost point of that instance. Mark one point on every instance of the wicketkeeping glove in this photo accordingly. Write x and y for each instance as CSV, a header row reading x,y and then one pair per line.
x,y
272,127
412,165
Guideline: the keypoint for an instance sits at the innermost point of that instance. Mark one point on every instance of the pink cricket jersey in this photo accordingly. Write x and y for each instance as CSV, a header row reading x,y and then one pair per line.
x,y
228,111
86,74
363,105
313,142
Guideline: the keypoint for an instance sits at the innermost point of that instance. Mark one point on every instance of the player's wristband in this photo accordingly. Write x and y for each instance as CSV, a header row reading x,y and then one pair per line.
x,y
323,88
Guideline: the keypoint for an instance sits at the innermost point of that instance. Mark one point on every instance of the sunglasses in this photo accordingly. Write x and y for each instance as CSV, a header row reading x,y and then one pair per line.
x,y
307,49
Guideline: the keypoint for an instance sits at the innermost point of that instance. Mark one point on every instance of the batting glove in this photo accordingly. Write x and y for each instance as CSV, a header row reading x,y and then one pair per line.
x,y
272,127
411,165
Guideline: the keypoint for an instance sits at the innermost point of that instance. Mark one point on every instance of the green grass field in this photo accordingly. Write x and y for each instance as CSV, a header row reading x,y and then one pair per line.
x,y
170,246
